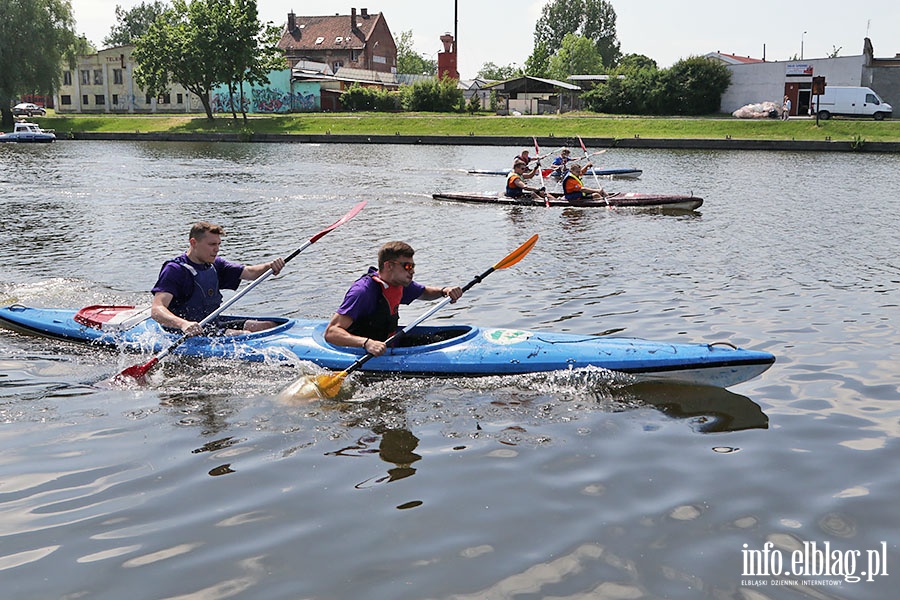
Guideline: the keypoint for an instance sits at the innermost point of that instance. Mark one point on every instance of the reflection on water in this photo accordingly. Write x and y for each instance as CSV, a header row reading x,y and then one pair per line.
x,y
710,410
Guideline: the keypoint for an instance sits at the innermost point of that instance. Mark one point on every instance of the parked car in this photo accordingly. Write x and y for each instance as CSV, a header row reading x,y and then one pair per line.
x,y
29,109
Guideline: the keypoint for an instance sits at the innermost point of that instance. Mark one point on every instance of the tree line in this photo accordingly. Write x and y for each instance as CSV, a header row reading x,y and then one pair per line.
x,y
202,44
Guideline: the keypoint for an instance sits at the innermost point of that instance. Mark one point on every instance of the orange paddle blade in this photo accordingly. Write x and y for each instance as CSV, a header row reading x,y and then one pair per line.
x,y
517,254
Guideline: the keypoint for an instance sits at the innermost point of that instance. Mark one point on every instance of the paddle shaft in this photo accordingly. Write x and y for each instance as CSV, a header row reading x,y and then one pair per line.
x,y
587,157
541,172
141,370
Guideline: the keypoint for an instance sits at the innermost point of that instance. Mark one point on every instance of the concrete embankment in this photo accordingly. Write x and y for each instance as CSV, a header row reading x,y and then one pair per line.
x,y
474,140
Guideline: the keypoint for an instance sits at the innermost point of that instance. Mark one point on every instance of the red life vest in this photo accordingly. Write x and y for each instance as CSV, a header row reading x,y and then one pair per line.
x,y
383,323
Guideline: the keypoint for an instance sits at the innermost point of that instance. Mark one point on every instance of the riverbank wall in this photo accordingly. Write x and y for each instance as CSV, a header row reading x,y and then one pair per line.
x,y
475,140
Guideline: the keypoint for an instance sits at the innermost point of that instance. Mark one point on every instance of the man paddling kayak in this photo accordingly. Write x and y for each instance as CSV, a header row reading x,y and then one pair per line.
x,y
368,315
560,164
188,287
573,187
516,186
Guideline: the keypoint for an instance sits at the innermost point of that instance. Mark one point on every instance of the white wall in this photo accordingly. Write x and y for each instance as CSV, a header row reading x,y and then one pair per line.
x,y
759,82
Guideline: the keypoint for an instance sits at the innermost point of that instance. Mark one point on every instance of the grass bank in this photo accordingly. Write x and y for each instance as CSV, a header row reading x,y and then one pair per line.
x,y
568,125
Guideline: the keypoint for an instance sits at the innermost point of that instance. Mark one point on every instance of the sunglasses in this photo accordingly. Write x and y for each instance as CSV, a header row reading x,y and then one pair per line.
x,y
409,266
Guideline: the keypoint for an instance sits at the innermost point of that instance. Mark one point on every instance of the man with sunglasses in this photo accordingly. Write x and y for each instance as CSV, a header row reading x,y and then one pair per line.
x,y
369,313
516,186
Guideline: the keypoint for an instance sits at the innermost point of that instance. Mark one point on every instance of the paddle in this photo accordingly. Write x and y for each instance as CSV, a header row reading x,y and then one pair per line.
x,y
587,157
541,173
328,385
138,372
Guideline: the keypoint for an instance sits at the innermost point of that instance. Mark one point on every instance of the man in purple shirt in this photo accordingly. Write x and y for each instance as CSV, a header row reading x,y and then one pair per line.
x,y
368,316
188,288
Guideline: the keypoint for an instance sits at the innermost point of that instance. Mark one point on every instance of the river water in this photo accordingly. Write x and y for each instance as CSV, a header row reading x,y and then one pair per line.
x,y
569,485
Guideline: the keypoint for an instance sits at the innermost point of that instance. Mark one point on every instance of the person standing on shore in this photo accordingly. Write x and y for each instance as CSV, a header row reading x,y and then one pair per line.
x,y
785,109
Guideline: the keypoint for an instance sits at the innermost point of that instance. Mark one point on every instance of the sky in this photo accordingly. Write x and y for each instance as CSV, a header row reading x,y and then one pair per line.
x,y
502,32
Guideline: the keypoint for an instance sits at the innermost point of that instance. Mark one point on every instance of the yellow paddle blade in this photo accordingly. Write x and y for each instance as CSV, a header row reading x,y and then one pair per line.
x,y
517,254
313,387
329,385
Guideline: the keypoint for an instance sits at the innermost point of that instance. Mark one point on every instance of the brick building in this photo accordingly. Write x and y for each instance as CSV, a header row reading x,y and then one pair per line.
x,y
358,41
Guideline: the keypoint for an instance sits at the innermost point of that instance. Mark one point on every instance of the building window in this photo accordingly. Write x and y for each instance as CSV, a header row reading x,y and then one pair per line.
x,y
98,76
163,99
148,99
180,98
99,99
117,76
84,99
67,77
115,99
65,99
337,65
85,77
354,55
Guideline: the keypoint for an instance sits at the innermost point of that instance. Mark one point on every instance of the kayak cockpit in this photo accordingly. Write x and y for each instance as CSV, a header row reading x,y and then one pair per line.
x,y
417,340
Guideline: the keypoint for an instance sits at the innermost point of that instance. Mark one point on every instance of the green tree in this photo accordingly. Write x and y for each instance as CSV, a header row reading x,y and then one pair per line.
x,y
576,56
491,71
593,19
200,45
36,36
695,85
631,63
411,62
538,64
249,48
178,48
133,23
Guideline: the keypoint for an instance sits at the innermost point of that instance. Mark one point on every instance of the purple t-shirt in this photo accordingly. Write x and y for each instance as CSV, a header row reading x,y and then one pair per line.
x,y
178,281
363,296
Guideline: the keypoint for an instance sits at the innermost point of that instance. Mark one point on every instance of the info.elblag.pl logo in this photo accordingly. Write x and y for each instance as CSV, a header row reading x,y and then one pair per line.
x,y
813,564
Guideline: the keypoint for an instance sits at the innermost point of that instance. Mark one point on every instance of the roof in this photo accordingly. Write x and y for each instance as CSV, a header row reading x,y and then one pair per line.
x,y
732,59
351,75
594,77
532,84
328,33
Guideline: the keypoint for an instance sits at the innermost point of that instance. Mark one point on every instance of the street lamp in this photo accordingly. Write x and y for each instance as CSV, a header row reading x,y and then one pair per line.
x,y
801,45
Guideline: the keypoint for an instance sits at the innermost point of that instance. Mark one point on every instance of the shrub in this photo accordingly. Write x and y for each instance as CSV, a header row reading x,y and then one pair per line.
x,y
432,95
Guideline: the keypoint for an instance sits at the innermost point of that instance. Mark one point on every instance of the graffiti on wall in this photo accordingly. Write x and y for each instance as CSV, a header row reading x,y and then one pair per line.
x,y
264,100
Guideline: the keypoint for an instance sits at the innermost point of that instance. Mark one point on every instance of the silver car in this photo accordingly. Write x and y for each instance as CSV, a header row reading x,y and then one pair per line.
x,y
27,108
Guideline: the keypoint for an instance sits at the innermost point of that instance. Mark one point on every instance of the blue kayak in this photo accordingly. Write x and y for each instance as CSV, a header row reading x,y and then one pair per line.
x,y
444,350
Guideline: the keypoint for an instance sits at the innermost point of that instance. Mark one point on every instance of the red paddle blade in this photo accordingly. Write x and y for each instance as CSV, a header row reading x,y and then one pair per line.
x,y
536,149
580,141
136,373
340,221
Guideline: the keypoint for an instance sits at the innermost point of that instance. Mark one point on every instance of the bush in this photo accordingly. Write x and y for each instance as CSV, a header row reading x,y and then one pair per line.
x,y
692,86
432,95
474,104
359,98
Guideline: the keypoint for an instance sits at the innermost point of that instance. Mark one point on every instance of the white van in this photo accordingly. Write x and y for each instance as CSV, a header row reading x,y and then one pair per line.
x,y
852,102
